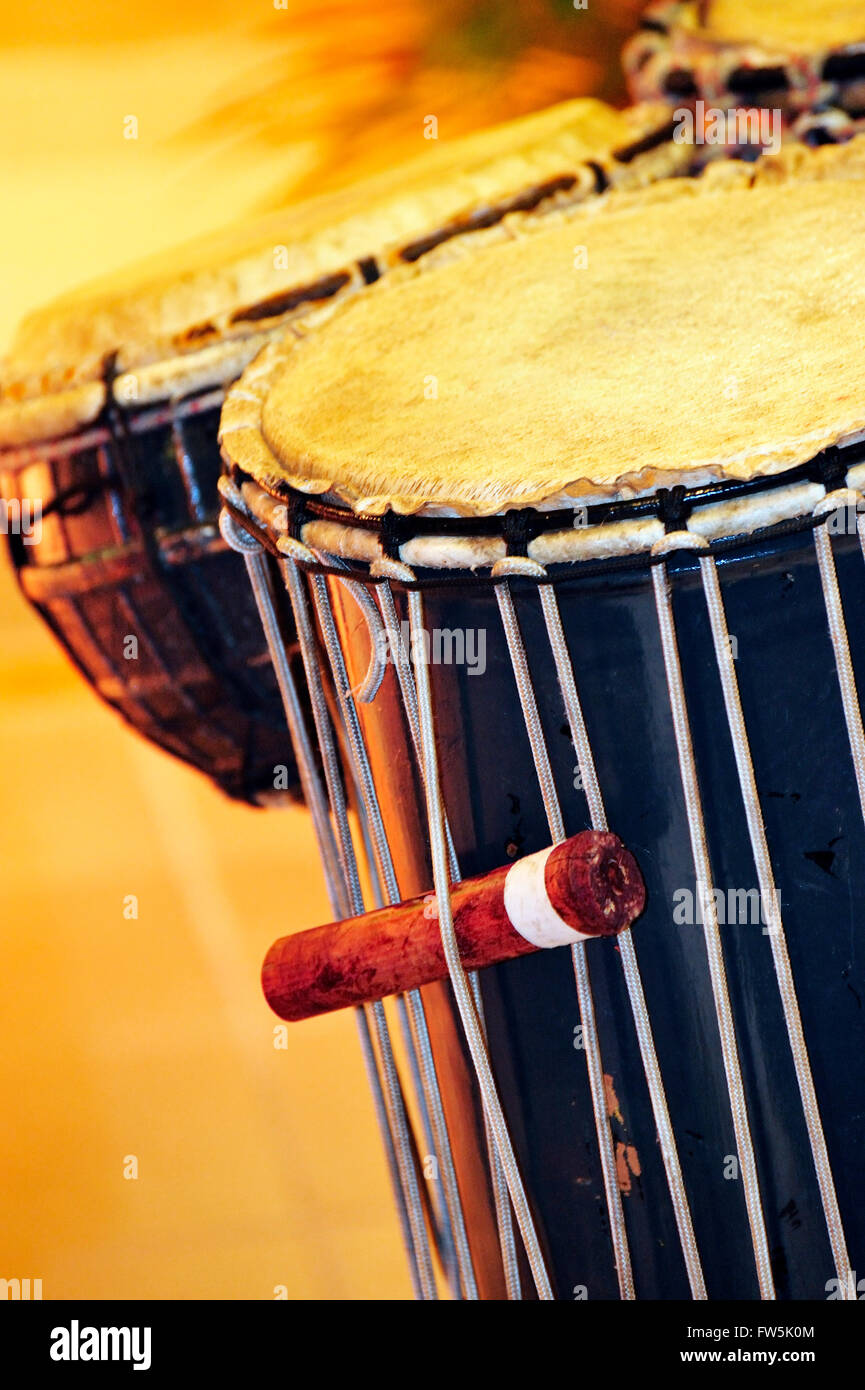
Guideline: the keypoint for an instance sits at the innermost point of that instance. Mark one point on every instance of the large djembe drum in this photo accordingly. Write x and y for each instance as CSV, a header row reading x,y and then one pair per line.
x,y
110,404
803,58
573,541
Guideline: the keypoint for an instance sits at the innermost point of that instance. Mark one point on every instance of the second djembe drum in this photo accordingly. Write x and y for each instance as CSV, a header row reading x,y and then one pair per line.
x,y
110,402
572,527
803,58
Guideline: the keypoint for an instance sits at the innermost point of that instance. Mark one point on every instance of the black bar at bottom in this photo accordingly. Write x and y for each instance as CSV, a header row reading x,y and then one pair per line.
x,y
162,1339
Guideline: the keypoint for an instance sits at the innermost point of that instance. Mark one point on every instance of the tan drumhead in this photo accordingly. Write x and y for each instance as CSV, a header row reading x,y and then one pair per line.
x,y
697,330
795,26
192,317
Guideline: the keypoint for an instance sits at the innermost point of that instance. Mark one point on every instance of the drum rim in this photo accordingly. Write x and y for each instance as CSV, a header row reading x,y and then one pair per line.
x,y
140,420
193,534
621,535
835,461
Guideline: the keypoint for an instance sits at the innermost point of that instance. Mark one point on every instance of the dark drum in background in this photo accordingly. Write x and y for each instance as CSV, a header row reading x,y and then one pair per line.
x,y
130,548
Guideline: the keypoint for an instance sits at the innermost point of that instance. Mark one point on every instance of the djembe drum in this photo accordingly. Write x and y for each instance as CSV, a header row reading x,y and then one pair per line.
x,y
110,406
603,578
805,58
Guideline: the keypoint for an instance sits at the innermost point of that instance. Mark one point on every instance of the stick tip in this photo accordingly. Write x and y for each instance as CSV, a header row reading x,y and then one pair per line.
x,y
595,883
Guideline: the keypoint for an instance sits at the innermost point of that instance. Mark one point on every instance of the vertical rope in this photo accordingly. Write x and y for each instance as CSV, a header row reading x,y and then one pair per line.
x,y
372,1022
471,1024
501,1200
777,937
633,979
841,647
313,793
410,1009
337,884
543,769
711,932
429,1089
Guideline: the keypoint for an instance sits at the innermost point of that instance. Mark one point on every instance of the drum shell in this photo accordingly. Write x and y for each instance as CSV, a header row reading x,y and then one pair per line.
x,y
130,546
805,777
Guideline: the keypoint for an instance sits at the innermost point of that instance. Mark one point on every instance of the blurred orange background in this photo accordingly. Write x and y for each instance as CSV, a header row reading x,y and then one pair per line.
x,y
258,1168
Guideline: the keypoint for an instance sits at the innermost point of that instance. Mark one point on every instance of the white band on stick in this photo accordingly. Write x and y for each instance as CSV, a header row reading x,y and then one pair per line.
x,y
528,905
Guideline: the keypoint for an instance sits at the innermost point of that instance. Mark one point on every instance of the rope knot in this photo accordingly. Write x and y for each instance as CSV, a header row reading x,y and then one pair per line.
x,y
831,468
673,508
520,526
396,530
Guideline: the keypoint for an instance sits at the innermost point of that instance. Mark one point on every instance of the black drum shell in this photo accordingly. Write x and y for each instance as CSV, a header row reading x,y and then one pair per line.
x,y
814,823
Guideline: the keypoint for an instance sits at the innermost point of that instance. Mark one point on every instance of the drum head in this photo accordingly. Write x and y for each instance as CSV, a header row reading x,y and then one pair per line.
x,y
652,339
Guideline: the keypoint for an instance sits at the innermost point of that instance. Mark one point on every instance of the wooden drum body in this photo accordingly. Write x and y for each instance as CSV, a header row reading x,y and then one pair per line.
x,y
130,551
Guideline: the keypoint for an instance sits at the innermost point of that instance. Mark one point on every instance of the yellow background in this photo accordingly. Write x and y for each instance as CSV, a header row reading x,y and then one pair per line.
x,y
257,1167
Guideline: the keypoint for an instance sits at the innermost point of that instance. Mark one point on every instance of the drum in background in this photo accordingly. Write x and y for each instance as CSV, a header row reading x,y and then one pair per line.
x,y
128,569
110,405
805,60
611,584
